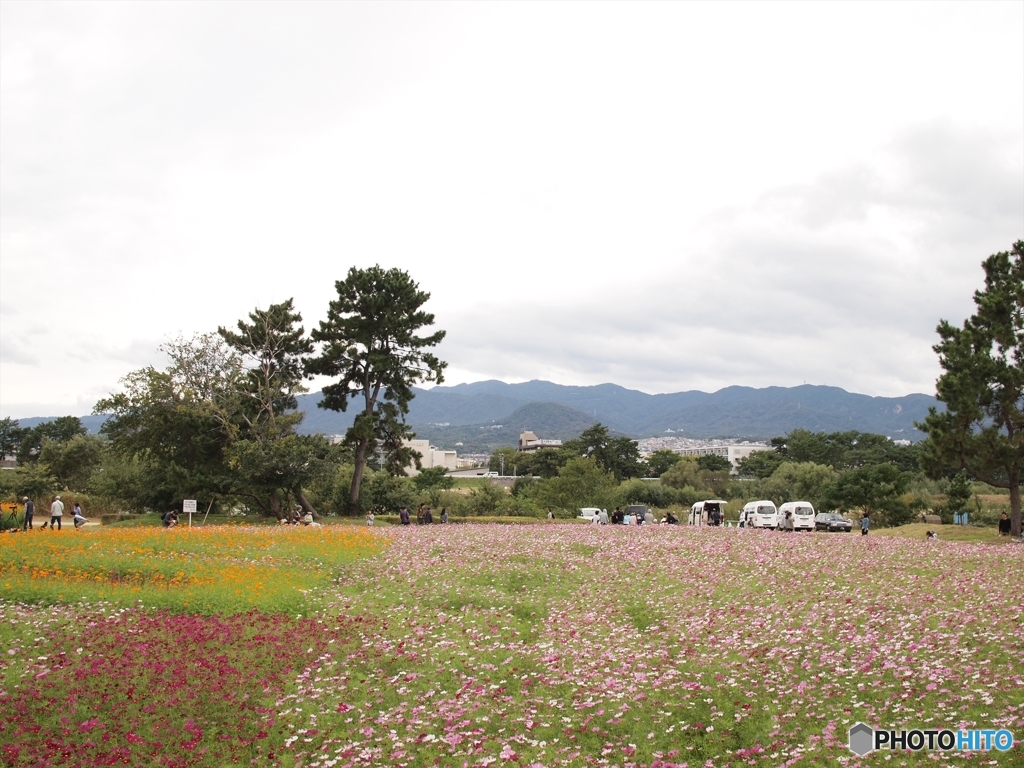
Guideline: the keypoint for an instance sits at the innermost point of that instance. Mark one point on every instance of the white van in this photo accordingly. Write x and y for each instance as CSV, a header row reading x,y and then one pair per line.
x,y
700,513
588,513
763,514
803,515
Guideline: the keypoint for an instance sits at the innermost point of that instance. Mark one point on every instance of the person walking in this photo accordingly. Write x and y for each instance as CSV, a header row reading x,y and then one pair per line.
x,y
790,523
403,515
56,513
30,509
1004,524
444,515
369,517
865,523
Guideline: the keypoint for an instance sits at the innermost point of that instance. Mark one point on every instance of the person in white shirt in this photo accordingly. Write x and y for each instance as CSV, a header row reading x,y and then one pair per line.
x,y
56,513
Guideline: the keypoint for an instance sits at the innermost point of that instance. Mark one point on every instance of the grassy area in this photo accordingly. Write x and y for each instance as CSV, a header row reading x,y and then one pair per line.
x,y
967,533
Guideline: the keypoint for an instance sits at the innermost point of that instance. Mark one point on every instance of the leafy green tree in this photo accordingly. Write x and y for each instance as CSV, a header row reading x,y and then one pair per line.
x,y
958,496
370,341
178,424
485,500
544,463
661,461
60,430
688,473
844,450
388,493
11,435
272,348
713,463
434,477
547,461
503,459
127,482
618,455
524,485
637,491
582,482
267,473
74,462
804,481
982,428
876,489
32,480
760,464
684,473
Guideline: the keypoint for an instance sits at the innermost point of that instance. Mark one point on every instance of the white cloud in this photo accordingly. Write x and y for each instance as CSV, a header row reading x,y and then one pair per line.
x,y
591,193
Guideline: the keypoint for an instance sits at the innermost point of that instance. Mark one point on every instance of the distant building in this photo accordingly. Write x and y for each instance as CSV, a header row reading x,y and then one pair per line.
x,y
432,457
528,441
733,452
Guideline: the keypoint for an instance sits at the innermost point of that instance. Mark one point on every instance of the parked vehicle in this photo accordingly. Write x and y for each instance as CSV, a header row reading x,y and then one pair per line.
x,y
803,515
588,513
761,514
832,521
702,511
638,512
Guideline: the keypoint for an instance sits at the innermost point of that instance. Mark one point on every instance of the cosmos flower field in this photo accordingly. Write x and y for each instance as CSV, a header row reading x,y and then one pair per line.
x,y
546,645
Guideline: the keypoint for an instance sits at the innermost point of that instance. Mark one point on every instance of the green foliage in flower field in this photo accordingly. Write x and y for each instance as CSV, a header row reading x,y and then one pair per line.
x,y
217,569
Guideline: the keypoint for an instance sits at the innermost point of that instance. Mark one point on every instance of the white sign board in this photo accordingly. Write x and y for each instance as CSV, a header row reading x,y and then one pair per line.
x,y
188,505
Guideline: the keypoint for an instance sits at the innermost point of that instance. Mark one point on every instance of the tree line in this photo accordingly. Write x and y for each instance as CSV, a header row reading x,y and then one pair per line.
x,y
218,424
219,421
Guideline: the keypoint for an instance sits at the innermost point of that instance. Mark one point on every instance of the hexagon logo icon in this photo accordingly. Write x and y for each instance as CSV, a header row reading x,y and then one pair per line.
x,y
862,738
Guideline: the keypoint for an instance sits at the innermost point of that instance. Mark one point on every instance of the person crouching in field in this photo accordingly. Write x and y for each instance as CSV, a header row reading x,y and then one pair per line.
x,y
78,517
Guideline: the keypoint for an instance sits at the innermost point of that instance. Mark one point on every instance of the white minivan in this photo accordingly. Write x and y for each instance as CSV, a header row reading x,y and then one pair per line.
x,y
763,514
700,513
803,515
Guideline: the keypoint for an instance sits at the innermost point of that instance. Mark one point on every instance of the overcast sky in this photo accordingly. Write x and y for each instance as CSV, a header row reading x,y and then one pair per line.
x,y
664,196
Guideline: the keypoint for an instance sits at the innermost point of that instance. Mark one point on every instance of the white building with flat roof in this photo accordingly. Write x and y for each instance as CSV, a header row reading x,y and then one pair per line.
x,y
528,441
432,457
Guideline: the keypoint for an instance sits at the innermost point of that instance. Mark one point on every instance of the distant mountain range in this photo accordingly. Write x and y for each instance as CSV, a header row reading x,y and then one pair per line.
x,y
448,415
742,412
